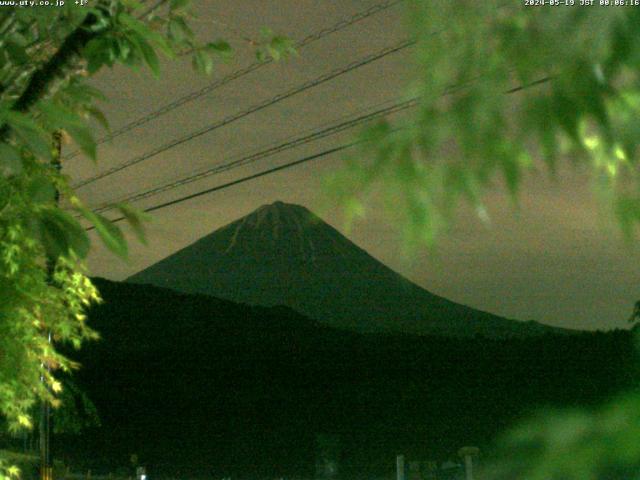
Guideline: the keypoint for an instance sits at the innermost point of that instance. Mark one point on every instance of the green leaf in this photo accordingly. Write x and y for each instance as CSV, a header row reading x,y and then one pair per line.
x,y
146,33
567,112
627,209
184,26
176,32
10,160
262,55
512,175
133,4
16,53
13,471
103,19
275,54
281,47
41,191
266,32
97,53
100,117
124,49
202,62
110,233
130,51
61,234
29,133
135,218
149,55
60,117
85,93
353,209
221,48
18,39
179,4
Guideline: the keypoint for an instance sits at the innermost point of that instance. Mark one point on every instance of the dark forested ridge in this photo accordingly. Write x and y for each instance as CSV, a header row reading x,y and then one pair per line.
x,y
200,386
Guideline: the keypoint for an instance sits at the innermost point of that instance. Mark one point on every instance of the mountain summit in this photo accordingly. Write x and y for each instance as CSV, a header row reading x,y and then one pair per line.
x,y
283,254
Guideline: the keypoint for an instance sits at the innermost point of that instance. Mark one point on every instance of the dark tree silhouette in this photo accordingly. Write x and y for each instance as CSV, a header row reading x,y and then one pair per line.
x,y
635,316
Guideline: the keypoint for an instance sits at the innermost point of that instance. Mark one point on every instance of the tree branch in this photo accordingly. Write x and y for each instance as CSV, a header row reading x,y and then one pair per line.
x,y
56,68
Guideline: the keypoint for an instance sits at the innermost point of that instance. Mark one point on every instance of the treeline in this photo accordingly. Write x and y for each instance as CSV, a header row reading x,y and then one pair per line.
x,y
199,386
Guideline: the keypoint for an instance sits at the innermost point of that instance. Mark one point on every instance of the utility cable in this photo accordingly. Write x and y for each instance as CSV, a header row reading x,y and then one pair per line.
x,y
265,153
308,40
253,109
242,180
297,162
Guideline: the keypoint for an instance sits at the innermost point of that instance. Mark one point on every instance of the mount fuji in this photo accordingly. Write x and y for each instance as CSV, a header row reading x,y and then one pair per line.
x,y
283,254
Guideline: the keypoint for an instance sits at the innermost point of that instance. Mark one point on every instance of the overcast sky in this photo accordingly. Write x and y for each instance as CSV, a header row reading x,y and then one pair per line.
x,y
556,259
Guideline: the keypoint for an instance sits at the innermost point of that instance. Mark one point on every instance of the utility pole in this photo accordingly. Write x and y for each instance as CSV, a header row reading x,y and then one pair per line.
x,y
46,464
400,467
45,436
467,453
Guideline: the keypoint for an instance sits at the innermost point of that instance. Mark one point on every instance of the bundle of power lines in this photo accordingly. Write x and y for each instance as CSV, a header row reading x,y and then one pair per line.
x,y
335,128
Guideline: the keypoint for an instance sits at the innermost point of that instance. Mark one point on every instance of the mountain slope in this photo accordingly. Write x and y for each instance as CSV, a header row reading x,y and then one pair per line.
x,y
282,254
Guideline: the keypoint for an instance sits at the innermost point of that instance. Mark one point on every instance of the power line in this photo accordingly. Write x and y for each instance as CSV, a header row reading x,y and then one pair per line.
x,y
268,152
242,180
254,108
309,158
309,39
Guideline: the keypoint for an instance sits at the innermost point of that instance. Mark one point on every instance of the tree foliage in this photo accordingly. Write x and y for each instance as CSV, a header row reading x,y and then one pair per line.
x,y
574,445
76,413
501,87
47,56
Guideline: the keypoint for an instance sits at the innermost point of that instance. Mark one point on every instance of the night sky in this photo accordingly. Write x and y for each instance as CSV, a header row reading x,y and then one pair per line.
x,y
557,259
